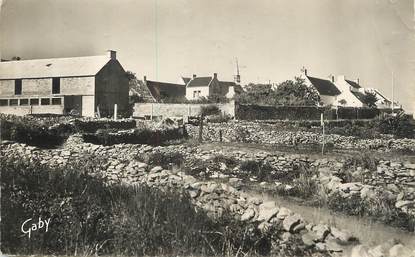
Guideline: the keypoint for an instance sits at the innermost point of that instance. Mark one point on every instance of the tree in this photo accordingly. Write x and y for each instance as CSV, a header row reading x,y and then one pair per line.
x,y
130,75
370,99
261,94
343,102
296,92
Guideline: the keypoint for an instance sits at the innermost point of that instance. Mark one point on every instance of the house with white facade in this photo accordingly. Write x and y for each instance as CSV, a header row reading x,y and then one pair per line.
x,y
326,89
203,87
350,95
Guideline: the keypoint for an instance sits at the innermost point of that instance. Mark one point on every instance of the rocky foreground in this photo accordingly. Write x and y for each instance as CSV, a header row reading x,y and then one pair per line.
x,y
122,166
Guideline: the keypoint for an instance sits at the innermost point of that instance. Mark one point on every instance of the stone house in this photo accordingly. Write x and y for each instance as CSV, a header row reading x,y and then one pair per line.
x,y
80,85
199,87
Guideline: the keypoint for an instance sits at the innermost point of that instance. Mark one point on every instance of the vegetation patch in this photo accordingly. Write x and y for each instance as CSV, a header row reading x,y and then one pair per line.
x,y
88,217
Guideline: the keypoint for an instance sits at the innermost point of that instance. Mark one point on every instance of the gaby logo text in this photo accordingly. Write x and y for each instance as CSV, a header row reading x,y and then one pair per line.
x,y
28,227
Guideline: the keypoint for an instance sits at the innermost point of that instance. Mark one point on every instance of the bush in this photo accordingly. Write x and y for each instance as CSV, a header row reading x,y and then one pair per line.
x,y
400,125
136,136
209,110
164,160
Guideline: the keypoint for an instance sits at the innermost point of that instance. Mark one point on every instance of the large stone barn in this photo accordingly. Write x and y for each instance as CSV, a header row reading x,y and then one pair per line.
x,y
77,85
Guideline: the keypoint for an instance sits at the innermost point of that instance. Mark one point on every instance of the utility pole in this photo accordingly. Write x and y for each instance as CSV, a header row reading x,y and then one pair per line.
x,y
393,94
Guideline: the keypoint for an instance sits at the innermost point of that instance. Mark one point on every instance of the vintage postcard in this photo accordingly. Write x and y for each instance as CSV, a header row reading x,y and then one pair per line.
x,y
207,128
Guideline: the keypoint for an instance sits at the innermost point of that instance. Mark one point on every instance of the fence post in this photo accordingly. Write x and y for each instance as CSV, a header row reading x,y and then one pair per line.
x,y
115,111
322,124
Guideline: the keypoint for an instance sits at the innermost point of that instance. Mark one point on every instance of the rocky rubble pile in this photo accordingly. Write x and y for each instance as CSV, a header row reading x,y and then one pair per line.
x,y
259,133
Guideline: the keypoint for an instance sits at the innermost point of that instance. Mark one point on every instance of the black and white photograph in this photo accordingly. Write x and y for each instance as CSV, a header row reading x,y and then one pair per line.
x,y
207,128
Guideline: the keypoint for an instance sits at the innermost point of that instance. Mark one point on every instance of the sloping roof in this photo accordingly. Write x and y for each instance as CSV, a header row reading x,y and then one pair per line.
x,y
163,90
324,86
236,87
137,87
186,80
56,67
353,84
359,95
199,82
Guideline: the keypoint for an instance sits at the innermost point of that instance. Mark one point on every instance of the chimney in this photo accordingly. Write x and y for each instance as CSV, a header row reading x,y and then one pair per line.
x,y
145,79
215,75
194,75
112,54
341,78
332,78
358,81
305,71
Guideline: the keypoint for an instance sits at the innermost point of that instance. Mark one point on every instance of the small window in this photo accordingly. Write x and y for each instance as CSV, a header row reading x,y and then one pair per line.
x,y
45,101
14,102
4,102
34,101
56,101
24,101
17,86
56,85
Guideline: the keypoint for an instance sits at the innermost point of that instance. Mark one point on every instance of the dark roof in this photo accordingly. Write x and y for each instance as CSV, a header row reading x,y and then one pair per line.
x,y
324,86
353,84
163,90
359,95
186,80
237,88
199,82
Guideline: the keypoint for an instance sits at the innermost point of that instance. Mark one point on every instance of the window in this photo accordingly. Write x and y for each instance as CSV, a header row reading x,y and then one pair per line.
x,y
4,102
196,94
56,101
24,101
56,85
14,102
17,86
34,101
45,101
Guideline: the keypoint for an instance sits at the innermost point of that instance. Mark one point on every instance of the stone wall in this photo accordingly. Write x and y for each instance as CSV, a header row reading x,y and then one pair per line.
x,y
177,110
268,134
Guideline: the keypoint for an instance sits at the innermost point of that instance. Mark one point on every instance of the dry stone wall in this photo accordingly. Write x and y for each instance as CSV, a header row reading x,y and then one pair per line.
x,y
259,133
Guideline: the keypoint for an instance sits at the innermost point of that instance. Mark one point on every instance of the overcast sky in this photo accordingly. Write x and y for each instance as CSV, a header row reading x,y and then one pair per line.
x,y
272,39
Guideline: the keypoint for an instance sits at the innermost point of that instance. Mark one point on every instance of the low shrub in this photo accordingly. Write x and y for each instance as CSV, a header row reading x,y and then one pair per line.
x,y
401,125
136,136
91,126
162,159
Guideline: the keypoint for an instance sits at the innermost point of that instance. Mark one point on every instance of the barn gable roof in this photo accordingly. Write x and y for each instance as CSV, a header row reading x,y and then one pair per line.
x,y
56,67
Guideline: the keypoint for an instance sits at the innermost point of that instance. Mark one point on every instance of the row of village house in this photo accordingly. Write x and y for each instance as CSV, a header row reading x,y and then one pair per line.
x,y
96,84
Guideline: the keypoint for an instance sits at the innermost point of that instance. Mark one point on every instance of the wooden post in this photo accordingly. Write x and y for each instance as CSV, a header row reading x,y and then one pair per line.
x,y
201,128
220,135
151,115
322,125
115,111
